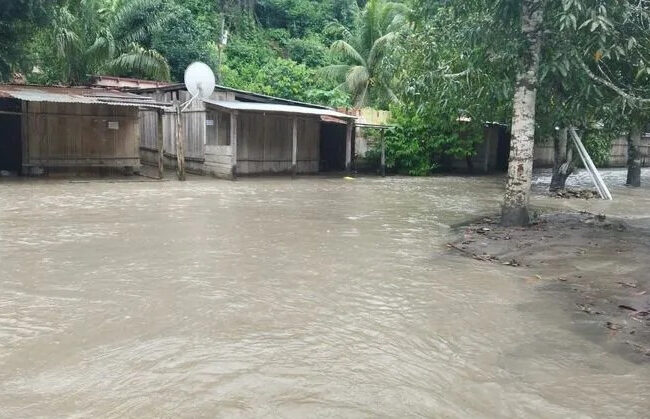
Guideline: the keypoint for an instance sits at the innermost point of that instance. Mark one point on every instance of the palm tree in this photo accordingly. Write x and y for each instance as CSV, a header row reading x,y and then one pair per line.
x,y
109,37
364,53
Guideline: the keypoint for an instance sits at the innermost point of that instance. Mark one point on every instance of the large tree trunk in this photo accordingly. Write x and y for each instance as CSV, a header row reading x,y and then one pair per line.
x,y
634,157
563,160
520,169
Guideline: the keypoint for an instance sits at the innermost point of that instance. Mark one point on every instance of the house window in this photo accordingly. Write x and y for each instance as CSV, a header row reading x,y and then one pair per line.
x,y
217,128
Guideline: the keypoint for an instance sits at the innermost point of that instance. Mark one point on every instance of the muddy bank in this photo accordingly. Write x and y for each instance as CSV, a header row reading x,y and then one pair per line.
x,y
600,265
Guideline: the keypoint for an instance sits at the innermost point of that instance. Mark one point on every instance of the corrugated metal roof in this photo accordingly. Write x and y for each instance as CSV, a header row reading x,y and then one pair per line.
x,y
276,108
242,94
85,95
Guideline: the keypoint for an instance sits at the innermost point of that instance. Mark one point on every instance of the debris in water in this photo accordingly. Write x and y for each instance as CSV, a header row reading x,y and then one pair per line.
x,y
575,193
625,307
614,326
587,309
627,284
639,348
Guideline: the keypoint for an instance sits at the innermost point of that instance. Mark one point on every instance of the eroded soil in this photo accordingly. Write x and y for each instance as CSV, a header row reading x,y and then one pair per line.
x,y
601,265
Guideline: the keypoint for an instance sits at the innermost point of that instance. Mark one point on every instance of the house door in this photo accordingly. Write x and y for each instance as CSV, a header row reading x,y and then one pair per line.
x,y
10,143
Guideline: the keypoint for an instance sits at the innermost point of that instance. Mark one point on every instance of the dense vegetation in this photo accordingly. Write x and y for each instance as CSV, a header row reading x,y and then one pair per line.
x,y
277,47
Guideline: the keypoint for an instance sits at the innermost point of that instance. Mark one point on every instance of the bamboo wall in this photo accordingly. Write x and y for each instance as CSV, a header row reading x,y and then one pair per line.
x,y
80,135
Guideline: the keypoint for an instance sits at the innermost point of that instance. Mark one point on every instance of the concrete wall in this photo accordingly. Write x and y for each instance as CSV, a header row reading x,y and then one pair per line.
x,y
61,135
362,143
618,156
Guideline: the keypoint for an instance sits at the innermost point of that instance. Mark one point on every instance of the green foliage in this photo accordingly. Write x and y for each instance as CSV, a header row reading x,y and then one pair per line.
x,y
418,145
598,143
182,41
99,36
284,78
298,16
327,96
309,52
365,53
19,20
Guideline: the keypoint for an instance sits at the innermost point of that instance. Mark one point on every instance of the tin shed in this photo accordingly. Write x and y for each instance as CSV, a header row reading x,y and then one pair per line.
x,y
45,129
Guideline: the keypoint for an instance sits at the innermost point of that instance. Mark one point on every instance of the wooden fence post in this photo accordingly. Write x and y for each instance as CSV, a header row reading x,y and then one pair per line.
x,y
233,142
180,153
160,144
294,148
383,154
348,146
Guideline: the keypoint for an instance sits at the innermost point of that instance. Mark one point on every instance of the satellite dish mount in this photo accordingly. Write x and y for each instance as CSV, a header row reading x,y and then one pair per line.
x,y
200,82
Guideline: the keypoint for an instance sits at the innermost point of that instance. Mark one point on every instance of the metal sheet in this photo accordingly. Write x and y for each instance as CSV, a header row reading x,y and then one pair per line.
x,y
276,108
82,95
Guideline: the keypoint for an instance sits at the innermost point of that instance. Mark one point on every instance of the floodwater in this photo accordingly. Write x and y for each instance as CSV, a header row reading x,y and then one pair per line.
x,y
314,297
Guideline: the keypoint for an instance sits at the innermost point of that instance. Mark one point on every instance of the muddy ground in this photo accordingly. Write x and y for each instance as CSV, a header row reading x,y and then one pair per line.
x,y
599,265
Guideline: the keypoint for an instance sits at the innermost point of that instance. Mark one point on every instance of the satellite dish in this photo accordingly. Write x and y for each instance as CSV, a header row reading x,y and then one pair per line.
x,y
199,80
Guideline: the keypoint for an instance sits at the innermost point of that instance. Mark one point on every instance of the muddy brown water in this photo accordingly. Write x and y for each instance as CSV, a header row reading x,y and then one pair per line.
x,y
317,297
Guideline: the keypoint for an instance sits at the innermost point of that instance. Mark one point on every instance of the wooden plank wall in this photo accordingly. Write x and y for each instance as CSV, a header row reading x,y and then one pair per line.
x,y
264,144
194,120
69,135
218,160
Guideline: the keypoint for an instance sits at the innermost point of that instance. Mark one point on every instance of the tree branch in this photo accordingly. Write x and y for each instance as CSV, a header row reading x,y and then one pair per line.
x,y
456,75
612,86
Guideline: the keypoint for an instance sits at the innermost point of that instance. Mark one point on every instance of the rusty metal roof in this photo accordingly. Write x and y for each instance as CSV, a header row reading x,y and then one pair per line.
x,y
126,82
277,108
84,95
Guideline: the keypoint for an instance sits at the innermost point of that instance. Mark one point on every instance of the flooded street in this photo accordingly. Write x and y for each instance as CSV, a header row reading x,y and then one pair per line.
x,y
286,298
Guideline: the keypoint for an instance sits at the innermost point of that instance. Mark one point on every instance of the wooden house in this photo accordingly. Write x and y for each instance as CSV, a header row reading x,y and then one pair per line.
x,y
69,129
242,133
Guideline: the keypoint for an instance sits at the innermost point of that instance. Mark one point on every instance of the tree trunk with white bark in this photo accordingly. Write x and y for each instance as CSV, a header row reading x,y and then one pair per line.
x,y
563,160
520,168
634,157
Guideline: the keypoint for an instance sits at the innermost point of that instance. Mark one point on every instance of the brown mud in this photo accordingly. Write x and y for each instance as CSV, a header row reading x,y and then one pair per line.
x,y
600,265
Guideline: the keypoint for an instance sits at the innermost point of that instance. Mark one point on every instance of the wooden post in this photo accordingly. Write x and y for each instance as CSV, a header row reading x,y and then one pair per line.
x,y
383,154
348,146
160,144
233,142
294,149
180,153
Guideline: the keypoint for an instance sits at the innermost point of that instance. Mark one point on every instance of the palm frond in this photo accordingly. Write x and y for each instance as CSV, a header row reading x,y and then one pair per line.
x,y
390,11
357,77
103,49
137,19
68,42
141,62
346,50
379,48
335,71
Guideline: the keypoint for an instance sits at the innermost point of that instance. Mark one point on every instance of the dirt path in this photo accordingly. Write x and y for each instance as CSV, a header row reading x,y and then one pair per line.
x,y
601,265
